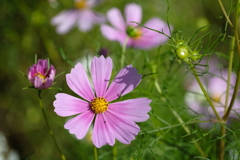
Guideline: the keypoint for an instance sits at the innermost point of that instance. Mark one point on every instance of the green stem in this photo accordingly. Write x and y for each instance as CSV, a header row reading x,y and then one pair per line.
x,y
49,129
225,13
95,153
222,143
186,129
205,93
114,151
124,51
225,117
229,73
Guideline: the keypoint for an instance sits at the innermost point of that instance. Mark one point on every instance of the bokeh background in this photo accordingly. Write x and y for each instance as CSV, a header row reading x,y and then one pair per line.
x,y
25,31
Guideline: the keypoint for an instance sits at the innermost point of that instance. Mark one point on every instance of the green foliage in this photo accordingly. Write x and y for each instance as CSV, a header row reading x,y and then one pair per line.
x,y
26,32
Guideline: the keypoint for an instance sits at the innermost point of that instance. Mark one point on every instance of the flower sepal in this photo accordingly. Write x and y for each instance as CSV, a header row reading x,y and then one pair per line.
x,y
29,87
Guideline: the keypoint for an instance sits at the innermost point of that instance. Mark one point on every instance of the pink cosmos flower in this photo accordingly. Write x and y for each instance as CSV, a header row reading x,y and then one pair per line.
x,y
110,121
40,75
216,85
136,36
81,15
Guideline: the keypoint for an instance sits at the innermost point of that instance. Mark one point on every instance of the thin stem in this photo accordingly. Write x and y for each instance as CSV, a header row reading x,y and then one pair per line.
x,y
227,113
205,93
186,129
222,143
95,153
114,152
173,126
225,13
225,117
124,51
235,93
229,72
49,129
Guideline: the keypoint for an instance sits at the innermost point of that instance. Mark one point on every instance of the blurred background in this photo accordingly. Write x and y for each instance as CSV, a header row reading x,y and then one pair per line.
x,y
26,31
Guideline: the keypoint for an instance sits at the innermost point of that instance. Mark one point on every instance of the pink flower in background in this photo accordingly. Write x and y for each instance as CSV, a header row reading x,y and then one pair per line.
x,y
110,120
81,15
216,85
138,37
41,75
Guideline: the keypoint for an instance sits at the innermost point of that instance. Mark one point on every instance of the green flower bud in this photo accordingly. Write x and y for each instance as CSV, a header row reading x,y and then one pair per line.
x,y
179,43
182,52
195,55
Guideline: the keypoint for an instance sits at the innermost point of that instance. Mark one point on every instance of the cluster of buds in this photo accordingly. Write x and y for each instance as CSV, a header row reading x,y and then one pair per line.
x,y
184,52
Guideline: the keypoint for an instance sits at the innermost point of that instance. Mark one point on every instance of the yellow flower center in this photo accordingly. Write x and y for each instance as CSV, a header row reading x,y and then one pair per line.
x,y
99,105
134,32
81,4
216,98
40,76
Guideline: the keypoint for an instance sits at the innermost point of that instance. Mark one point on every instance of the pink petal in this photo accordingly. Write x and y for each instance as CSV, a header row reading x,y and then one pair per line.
x,y
133,12
113,34
123,129
60,17
85,22
80,124
66,105
92,3
134,109
39,68
48,83
44,65
102,133
38,83
149,38
65,21
115,18
98,18
101,70
78,81
126,80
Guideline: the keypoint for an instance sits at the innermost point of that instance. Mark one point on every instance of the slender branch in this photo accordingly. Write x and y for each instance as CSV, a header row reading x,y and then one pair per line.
x,y
227,113
225,117
173,126
124,51
229,72
188,132
49,129
205,93
95,153
222,143
186,129
114,152
235,93
225,13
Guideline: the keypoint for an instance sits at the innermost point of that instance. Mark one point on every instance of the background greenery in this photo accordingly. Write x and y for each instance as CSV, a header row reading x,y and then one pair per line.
x,y
26,32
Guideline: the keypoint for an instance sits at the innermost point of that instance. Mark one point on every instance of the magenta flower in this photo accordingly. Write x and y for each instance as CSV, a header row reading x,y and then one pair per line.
x,y
216,86
41,75
81,15
110,120
136,36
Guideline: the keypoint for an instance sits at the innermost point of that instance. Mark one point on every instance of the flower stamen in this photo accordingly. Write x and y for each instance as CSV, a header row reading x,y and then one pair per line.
x,y
40,76
99,105
81,4
134,32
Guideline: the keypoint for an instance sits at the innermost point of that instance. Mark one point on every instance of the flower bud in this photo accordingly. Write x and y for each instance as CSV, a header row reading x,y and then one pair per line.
x,y
195,55
182,52
40,75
